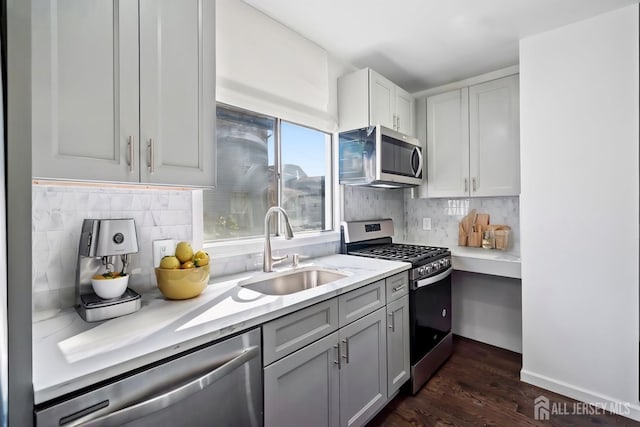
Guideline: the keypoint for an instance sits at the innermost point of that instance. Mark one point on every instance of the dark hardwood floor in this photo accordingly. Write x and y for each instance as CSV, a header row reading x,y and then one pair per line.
x,y
479,386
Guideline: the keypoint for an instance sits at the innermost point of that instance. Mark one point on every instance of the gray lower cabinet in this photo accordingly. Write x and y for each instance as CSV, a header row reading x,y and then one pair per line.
x,y
363,379
302,389
310,387
398,361
336,363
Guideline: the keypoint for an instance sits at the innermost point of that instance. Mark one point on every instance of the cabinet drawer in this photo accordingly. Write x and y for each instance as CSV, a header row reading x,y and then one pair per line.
x,y
397,286
292,332
358,303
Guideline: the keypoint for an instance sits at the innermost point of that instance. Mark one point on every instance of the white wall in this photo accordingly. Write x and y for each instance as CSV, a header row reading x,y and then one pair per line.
x,y
579,208
487,308
266,67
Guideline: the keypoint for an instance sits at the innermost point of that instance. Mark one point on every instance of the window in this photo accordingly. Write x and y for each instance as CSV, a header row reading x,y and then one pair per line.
x,y
262,162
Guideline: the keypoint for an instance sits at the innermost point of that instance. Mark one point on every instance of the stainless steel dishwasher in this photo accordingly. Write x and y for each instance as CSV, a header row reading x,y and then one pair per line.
x,y
218,385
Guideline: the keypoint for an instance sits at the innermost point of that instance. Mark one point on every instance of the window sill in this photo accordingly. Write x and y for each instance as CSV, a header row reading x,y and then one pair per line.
x,y
233,248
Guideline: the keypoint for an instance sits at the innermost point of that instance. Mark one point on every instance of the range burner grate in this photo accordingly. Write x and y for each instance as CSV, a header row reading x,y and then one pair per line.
x,y
401,252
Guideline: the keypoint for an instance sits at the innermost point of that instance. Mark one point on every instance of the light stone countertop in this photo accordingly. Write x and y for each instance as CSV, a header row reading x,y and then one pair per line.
x,y
479,260
69,353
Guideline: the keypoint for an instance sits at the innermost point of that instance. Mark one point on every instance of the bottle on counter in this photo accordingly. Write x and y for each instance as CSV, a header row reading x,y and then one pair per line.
x,y
488,240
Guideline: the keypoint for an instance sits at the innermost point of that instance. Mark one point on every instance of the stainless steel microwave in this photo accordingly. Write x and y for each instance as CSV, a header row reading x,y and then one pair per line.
x,y
377,156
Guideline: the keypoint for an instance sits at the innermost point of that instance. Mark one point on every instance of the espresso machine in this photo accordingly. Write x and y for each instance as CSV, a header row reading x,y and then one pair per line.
x,y
105,245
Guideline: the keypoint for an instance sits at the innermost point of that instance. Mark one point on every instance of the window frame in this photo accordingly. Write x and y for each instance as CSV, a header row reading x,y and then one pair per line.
x,y
228,247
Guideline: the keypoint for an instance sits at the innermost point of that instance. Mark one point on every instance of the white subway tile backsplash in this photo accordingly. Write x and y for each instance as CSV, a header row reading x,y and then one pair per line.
x,y
57,215
446,213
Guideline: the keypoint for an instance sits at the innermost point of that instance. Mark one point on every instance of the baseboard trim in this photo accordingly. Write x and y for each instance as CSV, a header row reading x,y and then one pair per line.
x,y
579,393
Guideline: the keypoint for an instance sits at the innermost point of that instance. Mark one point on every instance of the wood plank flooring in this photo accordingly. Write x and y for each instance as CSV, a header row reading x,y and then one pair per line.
x,y
479,386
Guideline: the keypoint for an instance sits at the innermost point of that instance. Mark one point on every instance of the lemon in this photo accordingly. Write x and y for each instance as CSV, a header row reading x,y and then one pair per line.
x,y
188,264
169,262
201,258
184,252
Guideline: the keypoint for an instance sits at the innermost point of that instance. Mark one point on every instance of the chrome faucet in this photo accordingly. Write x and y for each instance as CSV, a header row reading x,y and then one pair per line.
x,y
269,260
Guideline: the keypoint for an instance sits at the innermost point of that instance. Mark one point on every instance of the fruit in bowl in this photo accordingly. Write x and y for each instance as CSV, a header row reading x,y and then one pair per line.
x,y
183,275
109,285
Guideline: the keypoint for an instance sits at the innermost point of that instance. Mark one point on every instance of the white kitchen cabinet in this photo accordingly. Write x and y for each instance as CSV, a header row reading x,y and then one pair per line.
x,y
366,98
473,142
494,138
398,358
124,91
363,385
303,389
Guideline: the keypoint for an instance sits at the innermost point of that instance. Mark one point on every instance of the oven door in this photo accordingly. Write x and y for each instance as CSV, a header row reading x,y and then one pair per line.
x,y
429,313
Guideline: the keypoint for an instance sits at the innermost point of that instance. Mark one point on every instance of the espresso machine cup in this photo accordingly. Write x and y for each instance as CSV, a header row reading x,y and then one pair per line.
x,y
105,245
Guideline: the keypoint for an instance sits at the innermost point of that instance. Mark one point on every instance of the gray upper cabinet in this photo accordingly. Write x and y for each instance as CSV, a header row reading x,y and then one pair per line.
x,y
124,91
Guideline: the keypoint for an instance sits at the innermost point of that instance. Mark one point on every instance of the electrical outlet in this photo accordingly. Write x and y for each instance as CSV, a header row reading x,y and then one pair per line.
x,y
426,223
162,248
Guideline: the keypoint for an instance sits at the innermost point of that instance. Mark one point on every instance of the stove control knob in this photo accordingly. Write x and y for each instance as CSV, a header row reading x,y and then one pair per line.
x,y
428,269
421,270
447,262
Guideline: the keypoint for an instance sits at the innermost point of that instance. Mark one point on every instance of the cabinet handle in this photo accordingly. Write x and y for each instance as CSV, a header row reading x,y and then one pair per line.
x,y
337,361
346,350
151,164
391,324
130,149
474,184
466,185
397,288
398,123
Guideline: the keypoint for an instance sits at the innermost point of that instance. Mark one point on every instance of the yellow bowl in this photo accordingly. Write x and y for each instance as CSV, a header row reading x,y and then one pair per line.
x,y
182,284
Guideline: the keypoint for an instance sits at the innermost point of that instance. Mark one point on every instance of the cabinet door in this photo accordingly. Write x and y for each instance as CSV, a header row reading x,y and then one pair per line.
x,y
85,89
381,100
177,92
494,138
398,369
363,374
405,112
302,388
448,144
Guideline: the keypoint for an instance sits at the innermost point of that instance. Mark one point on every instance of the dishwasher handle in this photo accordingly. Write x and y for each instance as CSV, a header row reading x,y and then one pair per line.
x,y
174,396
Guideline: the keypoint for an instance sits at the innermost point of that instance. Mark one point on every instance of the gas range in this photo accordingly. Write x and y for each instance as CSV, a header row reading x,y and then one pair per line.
x,y
373,239
431,339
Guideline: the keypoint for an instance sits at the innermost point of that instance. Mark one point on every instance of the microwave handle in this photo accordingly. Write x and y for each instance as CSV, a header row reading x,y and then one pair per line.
x,y
416,151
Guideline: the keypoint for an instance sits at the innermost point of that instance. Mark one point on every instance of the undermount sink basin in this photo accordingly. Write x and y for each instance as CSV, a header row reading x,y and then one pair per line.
x,y
289,282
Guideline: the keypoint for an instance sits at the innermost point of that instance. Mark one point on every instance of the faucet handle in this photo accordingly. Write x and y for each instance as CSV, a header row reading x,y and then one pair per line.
x,y
297,258
278,259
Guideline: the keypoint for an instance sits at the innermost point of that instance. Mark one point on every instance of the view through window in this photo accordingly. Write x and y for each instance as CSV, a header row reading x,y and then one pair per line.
x,y
264,162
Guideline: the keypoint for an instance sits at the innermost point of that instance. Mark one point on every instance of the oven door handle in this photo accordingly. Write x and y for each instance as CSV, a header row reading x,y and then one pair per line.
x,y
431,280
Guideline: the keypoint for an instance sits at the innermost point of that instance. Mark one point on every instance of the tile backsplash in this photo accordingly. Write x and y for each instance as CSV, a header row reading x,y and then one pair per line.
x,y
445,215
58,212
362,203
57,215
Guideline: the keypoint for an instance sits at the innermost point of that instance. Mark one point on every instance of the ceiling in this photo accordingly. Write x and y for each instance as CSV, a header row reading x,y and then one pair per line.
x,y
419,44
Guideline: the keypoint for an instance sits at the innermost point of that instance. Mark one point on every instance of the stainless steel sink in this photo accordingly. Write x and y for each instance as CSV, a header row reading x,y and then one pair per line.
x,y
289,282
